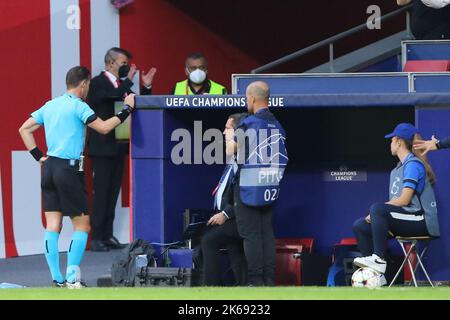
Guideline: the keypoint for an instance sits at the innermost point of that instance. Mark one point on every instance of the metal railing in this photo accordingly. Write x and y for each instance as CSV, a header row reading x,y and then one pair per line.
x,y
330,41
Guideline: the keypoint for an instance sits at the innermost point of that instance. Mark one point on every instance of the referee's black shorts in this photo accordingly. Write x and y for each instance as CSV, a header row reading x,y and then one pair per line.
x,y
63,187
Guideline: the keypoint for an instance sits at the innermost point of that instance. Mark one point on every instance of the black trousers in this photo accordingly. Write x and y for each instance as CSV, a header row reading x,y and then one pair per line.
x,y
108,173
220,237
255,227
384,218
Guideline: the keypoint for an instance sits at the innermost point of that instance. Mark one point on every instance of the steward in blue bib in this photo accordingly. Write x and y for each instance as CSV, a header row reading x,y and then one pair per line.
x,y
262,158
422,201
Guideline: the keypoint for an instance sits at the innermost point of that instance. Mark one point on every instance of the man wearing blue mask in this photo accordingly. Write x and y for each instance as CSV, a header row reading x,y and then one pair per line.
x,y
197,83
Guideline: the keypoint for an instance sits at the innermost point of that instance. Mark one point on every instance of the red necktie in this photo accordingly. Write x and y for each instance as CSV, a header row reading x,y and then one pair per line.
x,y
215,189
118,82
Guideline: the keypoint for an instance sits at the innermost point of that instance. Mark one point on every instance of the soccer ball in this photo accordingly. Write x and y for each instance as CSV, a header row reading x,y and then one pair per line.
x,y
366,277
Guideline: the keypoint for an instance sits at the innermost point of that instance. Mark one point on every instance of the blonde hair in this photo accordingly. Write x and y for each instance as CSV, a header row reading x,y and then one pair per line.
x,y
429,170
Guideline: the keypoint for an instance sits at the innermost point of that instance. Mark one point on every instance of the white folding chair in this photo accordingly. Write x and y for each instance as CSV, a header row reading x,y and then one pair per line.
x,y
419,255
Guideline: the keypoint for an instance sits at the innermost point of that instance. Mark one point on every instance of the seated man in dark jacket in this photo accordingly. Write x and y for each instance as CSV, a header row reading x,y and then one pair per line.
x,y
223,232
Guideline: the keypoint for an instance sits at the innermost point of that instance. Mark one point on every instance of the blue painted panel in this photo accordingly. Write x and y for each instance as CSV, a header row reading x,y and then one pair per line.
x,y
237,103
147,134
437,121
176,120
187,186
428,51
329,84
392,64
148,205
310,207
432,83
180,258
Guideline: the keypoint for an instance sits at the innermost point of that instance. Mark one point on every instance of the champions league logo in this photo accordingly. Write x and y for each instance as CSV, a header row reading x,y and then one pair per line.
x,y
267,152
395,188
345,173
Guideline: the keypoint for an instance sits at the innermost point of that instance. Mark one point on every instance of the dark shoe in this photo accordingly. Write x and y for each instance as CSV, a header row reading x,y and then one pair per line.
x,y
57,284
98,246
113,243
255,281
268,282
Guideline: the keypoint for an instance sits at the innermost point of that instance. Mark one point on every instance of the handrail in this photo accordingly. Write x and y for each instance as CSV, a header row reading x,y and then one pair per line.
x,y
330,41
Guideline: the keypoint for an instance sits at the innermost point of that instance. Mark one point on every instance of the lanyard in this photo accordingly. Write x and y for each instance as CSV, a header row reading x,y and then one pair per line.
x,y
187,87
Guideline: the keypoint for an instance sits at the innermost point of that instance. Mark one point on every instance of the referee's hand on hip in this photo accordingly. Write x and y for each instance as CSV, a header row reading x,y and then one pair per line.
x,y
42,160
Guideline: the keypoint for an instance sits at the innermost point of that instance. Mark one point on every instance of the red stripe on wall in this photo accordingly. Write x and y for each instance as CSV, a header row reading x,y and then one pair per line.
x,y
130,185
126,183
26,30
85,60
85,33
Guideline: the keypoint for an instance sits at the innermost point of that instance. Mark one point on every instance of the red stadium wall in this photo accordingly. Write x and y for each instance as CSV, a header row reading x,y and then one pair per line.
x,y
25,39
158,34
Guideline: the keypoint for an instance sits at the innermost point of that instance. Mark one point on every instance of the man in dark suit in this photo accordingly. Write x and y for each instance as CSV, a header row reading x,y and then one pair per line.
x,y
106,153
223,231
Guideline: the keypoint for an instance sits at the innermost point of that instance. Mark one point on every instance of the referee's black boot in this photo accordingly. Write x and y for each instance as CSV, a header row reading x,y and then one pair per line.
x,y
113,243
98,246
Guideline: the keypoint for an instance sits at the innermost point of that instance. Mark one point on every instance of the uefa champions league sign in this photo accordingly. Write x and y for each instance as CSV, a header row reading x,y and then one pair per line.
x,y
216,101
344,174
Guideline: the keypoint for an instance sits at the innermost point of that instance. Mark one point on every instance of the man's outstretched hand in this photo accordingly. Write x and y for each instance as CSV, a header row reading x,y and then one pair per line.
x,y
425,145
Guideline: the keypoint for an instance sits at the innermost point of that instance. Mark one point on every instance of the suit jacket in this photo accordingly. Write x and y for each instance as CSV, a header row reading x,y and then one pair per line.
x,y
101,98
227,200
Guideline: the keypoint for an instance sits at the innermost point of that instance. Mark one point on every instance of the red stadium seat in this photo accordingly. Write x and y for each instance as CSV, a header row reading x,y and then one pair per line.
x,y
288,267
307,243
407,275
348,241
427,66
344,242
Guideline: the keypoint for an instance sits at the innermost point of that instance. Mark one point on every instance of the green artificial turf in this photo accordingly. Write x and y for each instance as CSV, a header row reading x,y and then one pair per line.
x,y
240,293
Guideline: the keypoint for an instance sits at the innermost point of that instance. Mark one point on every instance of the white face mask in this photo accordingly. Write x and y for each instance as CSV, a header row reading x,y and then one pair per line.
x,y
197,76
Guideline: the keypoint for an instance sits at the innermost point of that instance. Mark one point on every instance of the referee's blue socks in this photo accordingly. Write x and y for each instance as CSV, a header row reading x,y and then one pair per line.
x,y
75,254
52,255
